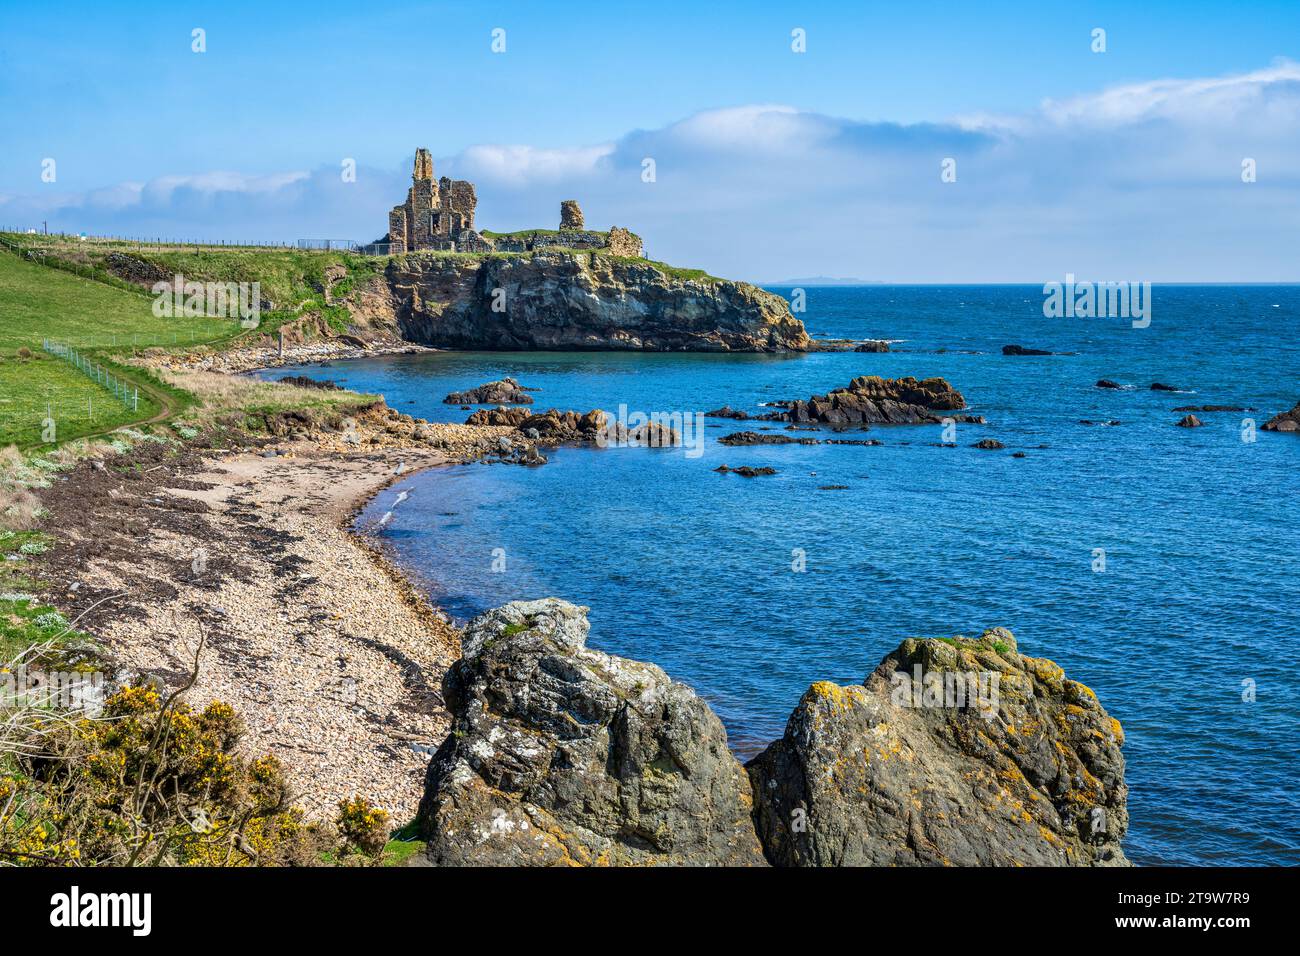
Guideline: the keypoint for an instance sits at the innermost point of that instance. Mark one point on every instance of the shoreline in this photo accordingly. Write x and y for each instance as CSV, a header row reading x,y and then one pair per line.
x,y
330,655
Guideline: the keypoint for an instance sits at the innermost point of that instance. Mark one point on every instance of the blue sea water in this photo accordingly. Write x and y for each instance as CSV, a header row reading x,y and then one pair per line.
x,y
692,569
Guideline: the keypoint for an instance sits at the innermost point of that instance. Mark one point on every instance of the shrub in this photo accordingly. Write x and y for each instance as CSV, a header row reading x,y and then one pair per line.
x,y
363,827
151,781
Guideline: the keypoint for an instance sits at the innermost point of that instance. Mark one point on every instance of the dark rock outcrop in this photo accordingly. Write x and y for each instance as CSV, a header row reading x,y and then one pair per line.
x,y
575,300
562,755
1161,387
870,399
760,438
1021,350
1284,422
1189,421
990,444
872,345
302,381
1107,383
746,471
887,774
503,392
557,427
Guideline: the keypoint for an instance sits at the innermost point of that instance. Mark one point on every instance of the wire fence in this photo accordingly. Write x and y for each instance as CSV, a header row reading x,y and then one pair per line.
x,y
169,244
125,392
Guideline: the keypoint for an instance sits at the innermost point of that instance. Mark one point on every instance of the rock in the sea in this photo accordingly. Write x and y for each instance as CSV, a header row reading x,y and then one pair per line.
x,y
576,300
759,438
1161,387
562,755
1212,408
870,399
504,392
746,471
1021,350
1107,383
302,381
988,443
726,411
1189,421
953,752
872,345
1284,422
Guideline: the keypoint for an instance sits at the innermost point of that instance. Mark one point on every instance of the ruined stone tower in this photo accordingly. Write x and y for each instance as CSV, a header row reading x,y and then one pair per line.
x,y
437,214
571,215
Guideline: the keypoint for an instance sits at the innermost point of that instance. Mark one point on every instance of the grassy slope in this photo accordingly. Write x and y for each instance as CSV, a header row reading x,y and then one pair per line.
x,y
37,302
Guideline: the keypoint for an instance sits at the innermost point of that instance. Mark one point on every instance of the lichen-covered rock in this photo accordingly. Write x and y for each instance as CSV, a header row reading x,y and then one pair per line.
x,y
562,755
574,300
953,752
571,215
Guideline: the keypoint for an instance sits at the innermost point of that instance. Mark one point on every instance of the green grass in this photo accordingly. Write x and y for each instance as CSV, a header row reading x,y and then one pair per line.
x,y
24,621
31,389
37,302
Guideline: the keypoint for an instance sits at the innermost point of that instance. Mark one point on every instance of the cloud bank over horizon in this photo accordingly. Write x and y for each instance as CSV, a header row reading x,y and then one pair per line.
x,y
1139,182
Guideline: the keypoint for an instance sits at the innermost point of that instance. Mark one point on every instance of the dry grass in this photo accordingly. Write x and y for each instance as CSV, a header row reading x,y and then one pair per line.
x,y
220,393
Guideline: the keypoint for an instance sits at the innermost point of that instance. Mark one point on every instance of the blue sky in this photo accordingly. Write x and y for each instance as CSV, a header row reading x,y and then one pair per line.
x,y
769,163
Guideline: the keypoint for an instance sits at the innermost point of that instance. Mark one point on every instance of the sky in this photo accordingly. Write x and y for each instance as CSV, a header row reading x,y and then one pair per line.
x,y
931,142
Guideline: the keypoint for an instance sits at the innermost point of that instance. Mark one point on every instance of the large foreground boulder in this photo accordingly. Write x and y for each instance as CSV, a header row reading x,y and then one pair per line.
x,y
953,752
505,391
562,755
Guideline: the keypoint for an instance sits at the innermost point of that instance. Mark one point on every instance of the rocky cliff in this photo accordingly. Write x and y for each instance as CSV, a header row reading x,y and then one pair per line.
x,y
571,300
953,752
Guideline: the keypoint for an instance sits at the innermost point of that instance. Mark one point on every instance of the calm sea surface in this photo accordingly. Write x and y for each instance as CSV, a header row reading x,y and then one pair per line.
x,y
693,569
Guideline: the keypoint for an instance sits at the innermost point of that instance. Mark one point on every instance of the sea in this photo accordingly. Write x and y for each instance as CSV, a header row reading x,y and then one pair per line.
x,y
1150,561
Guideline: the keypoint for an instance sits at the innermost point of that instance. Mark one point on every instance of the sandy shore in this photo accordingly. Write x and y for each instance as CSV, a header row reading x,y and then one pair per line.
x,y
330,657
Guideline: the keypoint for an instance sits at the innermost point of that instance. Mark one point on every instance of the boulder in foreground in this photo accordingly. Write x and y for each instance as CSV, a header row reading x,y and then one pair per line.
x,y
562,755
1027,770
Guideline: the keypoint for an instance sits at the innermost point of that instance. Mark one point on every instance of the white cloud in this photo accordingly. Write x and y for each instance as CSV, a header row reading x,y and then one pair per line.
x,y
1140,181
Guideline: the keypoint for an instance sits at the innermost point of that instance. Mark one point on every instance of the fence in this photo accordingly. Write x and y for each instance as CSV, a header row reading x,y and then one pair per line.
x,y
163,244
127,394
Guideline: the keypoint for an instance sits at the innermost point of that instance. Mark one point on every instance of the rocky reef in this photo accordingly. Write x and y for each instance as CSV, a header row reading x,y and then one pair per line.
x,y
575,300
506,391
953,751
868,400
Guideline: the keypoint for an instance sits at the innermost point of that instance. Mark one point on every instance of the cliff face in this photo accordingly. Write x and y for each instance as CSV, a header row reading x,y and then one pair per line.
x,y
565,300
956,751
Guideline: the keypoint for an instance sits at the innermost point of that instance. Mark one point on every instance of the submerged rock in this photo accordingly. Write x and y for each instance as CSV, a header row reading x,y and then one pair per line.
x,y
746,471
1107,383
504,392
1025,770
1021,350
1284,422
562,755
988,443
1161,387
1189,421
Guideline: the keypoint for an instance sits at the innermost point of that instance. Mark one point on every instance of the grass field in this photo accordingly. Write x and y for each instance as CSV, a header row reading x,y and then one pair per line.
x,y
38,302
43,386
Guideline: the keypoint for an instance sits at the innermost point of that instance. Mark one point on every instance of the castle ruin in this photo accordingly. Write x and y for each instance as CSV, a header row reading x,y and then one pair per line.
x,y
439,216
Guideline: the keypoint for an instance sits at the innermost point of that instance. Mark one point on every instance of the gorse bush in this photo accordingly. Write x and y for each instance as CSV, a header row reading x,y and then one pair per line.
x,y
150,781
